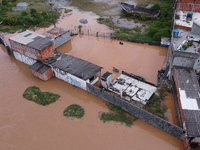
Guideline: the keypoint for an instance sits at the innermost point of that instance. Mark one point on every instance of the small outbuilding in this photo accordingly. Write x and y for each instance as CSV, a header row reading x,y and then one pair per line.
x,y
59,36
41,71
73,70
29,46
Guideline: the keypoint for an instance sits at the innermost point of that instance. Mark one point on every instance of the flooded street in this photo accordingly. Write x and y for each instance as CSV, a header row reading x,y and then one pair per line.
x,y
27,125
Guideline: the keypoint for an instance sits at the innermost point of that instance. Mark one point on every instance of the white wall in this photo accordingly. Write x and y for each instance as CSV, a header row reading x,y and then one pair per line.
x,y
69,78
24,59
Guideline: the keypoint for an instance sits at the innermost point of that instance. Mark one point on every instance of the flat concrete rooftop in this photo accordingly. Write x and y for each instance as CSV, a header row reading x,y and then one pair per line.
x,y
185,36
182,20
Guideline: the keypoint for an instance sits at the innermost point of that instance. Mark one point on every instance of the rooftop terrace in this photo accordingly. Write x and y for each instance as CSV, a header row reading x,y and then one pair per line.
x,y
181,18
185,36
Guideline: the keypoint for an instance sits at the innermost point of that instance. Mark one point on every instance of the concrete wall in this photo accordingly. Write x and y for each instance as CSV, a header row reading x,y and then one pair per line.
x,y
195,29
60,40
183,62
23,58
9,50
182,59
138,112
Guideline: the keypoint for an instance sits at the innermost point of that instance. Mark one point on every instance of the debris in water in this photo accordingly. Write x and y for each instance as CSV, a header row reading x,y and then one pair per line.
x,y
121,43
84,21
115,69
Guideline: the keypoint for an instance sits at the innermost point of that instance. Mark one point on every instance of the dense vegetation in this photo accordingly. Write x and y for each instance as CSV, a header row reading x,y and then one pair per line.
x,y
74,110
33,93
155,105
157,28
117,114
37,14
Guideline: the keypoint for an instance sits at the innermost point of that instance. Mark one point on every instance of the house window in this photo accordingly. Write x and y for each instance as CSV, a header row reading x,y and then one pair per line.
x,y
92,79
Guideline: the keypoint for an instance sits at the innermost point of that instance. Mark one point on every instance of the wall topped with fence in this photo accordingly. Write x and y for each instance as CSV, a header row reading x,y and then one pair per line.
x,y
111,35
138,112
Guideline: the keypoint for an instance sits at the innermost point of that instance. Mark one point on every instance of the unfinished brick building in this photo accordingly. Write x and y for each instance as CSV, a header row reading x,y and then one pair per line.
x,y
188,5
29,46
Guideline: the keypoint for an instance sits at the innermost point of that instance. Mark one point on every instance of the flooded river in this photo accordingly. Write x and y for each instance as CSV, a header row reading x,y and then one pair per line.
x,y
27,125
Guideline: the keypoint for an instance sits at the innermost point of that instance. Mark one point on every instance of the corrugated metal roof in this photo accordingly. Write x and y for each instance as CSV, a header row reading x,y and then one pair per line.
x,y
39,67
73,65
190,101
32,39
55,32
105,75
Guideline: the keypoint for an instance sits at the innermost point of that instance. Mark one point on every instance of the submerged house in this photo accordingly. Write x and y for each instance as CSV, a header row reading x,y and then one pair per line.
x,y
29,46
58,35
41,70
132,88
73,70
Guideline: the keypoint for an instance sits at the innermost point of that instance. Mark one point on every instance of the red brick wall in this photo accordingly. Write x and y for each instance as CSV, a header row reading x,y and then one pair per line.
x,y
23,49
32,53
196,8
45,76
184,7
197,1
182,27
187,1
47,52
189,6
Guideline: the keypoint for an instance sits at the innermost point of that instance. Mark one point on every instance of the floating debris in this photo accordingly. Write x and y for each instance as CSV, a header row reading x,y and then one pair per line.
x,y
83,21
115,69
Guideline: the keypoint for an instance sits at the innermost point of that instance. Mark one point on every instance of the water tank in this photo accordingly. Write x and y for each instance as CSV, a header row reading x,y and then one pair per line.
x,y
190,14
176,33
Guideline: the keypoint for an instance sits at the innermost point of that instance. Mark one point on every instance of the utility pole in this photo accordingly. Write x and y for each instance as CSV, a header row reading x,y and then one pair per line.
x,y
51,2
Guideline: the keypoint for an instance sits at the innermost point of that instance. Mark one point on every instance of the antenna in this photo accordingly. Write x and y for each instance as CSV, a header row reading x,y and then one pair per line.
x,y
51,3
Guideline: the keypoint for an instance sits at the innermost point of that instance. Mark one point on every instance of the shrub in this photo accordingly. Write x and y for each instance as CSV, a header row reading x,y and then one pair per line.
x,y
4,2
33,93
74,110
155,7
137,29
24,13
162,33
152,31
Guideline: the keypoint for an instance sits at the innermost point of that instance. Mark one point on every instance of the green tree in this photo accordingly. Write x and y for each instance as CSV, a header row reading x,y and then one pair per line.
x,y
4,2
155,7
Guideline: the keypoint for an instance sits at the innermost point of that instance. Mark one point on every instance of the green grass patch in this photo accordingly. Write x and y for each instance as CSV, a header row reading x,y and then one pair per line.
x,y
67,10
155,105
137,29
37,14
118,115
74,110
125,33
33,93
89,5
108,22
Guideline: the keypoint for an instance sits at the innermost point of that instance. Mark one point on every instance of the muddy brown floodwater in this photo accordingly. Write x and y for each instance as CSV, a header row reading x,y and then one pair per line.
x,y
27,125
